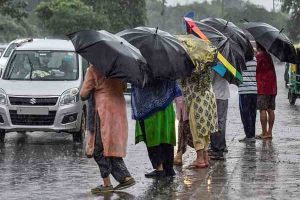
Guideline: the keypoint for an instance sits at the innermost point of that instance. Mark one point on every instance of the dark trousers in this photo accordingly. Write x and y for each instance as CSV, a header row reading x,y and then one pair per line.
x,y
248,103
108,165
161,154
218,141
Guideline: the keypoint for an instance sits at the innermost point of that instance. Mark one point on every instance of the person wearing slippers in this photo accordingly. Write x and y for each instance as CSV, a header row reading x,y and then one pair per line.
x,y
111,129
184,133
152,108
199,97
266,90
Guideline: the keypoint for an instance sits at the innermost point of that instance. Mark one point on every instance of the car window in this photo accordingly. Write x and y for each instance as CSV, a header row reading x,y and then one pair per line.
x,y
10,48
42,65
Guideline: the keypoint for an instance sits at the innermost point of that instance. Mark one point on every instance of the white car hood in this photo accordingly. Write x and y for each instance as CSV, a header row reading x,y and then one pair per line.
x,y
36,88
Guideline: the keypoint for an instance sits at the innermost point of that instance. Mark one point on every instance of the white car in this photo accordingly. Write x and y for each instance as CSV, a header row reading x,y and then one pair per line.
x,y
8,50
39,89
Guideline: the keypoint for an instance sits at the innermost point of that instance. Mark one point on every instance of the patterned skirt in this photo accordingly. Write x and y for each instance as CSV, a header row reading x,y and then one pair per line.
x,y
203,114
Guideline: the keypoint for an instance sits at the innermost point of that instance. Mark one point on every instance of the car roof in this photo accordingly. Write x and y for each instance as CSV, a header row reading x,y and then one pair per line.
x,y
46,45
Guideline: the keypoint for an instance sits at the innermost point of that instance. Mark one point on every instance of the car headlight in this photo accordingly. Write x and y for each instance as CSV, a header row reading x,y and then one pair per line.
x,y
69,96
2,97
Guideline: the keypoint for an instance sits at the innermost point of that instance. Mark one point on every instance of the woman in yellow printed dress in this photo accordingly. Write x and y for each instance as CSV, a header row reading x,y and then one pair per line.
x,y
199,97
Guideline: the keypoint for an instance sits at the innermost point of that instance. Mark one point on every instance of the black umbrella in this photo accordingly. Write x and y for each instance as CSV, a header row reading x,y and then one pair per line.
x,y
273,41
165,55
230,30
111,55
227,47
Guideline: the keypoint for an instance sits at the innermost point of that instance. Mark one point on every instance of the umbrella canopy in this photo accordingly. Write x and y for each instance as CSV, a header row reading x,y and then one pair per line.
x,y
165,55
202,53
111,55
230,30
273,41
230,54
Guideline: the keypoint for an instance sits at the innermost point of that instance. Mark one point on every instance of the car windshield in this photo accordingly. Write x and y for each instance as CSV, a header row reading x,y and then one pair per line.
x,y
42,65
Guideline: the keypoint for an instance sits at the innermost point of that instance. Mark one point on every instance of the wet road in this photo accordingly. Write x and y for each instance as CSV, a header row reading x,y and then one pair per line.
x,y
50,166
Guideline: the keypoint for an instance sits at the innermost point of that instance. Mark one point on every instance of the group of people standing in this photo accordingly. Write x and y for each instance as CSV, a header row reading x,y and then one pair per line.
x,y
201,109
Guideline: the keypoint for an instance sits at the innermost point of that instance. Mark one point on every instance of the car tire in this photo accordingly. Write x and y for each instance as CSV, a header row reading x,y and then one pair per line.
x,y
2,135
79,136
292,98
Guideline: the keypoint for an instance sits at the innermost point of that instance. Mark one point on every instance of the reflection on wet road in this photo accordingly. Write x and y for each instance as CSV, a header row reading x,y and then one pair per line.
x,y
49,166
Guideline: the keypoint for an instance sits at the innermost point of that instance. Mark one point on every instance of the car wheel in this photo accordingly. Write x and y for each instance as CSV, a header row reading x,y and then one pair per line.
x,y
292,98
79,136
2,135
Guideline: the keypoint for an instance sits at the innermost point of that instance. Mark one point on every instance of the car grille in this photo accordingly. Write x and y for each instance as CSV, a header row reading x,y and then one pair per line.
x,y
35,120
28,101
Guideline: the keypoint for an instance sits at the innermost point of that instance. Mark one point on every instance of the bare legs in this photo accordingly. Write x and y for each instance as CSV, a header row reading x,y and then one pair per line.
x,y
271,120
106,182
267,118
201,160
178,158
264,122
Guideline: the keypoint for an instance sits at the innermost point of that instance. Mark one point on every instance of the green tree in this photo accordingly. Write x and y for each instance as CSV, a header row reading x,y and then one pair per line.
x,y
60,17
13,9
121,14
11,29
234,10
292,7
14,21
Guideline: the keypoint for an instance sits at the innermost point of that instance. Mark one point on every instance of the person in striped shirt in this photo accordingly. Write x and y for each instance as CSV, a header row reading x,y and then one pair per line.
x,y
248,100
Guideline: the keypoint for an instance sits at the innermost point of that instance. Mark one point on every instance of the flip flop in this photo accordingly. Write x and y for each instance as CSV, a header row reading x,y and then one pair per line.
x,y
259,137
268,137
126,184
197,166
102,189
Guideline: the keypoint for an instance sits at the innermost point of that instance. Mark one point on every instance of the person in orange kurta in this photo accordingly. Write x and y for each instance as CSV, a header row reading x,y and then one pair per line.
x,y
111,128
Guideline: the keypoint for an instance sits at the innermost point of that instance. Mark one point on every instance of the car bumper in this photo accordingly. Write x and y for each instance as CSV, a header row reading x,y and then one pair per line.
x,y
61,117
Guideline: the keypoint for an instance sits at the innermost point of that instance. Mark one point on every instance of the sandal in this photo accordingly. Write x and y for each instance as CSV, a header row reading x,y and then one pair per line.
x,y
197,166
102,189
126,184
260,137
268,137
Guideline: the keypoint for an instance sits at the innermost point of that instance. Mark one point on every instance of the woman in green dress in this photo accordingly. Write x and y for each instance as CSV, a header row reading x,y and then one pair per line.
x,y
153,109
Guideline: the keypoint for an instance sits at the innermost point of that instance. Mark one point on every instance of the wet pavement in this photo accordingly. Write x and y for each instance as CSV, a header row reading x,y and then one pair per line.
x,y
49,166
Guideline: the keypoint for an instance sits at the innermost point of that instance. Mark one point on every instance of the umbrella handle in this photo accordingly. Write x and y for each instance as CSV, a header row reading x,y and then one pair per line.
x,y
281,30
155,34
